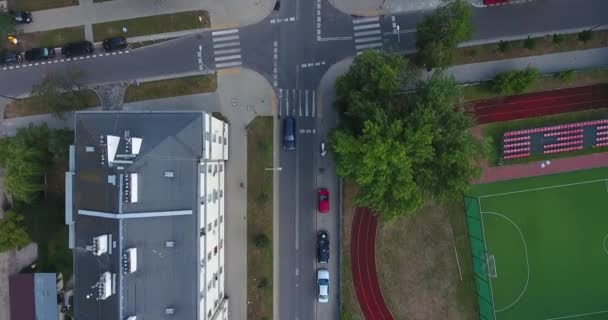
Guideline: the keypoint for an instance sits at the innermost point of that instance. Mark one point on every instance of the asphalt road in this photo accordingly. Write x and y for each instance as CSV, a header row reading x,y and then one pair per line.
x,y
295,47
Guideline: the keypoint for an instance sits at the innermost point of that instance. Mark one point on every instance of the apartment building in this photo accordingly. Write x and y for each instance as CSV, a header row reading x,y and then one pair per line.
x,y
145,210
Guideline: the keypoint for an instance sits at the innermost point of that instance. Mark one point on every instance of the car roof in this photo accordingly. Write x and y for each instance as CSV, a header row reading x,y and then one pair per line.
x,y
323,274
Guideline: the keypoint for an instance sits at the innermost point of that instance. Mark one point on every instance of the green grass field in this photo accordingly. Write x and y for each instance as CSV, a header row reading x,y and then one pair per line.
x,y
549,239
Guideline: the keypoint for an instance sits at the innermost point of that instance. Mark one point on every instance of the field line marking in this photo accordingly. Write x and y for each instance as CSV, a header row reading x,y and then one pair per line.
x,y
544,188
456,252
578,315
527,260
604,243
485,243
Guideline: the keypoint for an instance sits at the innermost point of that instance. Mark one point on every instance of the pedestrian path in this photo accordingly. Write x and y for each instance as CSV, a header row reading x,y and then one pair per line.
x,y
226,48
297,103
367,34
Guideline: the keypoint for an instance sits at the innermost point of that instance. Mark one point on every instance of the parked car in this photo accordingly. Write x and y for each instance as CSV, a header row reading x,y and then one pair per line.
x,y
115,43
79,48
38,54
10,57
323,284
21,16
289,134
323,247
323,200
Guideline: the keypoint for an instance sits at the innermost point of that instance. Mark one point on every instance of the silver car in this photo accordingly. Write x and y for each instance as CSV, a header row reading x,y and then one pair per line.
x,y
323,283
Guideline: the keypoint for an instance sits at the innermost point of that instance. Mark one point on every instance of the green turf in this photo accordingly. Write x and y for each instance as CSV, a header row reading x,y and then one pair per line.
x,y
549,237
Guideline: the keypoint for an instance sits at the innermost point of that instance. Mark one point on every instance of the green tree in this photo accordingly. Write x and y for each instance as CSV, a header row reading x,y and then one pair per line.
x,y
512,82
558,38
62,93
371,83
585,36
414,145
12,232
59,144
7,25
25,158
504,46
438,34
530,43
566,76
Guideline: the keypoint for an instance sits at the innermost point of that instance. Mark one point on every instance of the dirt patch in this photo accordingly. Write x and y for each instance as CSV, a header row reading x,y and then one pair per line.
x,y
350,306
50,38
417,266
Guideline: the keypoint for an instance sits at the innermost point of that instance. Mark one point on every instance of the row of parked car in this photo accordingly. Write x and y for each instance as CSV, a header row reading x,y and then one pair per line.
x,y
73,49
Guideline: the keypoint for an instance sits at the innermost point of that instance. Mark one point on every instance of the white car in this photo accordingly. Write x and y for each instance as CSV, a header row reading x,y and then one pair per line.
x,y
323,283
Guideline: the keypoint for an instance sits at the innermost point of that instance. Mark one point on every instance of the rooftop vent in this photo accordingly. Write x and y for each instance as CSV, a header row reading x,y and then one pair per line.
x,y
169,311
112,145
169,244
132,318
105,285
129,260
169,174
90,149
136,145
100,244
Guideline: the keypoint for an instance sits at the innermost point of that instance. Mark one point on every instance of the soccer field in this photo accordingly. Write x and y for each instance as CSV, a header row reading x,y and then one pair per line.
x,y
540,246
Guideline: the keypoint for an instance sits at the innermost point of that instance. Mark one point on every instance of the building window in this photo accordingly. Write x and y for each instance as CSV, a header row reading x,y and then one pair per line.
x,y
215,250
203,168
214,137
219,140
203,199
215,223
209,256
209,169
221,270
202,232
221,193
209,227
209,197
221,243
221,167
221,218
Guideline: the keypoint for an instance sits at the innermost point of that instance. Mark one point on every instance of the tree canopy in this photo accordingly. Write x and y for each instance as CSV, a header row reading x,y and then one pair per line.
x,y
12,232
61,93
401,148
512,82
438,34
26,157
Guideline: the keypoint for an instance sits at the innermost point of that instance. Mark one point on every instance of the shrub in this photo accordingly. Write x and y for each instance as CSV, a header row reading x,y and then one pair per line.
x,y
530,43
504,46
262,198
566,76
558,38
585,36
263,283
261,240
511,82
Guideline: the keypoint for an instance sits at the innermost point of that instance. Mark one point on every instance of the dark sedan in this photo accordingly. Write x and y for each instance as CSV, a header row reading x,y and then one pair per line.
x,y
79,48
21,16
323,247
39,54
115,43
10,57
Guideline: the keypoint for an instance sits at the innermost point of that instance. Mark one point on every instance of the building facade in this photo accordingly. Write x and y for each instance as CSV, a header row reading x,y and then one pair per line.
x,y
145,209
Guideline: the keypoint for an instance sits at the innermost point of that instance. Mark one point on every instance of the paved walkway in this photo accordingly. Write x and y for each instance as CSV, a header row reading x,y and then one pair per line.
x,y
224,13
240,97
386,7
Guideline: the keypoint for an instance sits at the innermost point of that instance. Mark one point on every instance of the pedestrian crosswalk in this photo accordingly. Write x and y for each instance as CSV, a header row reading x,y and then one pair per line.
x,y
226,48
297,103
367,34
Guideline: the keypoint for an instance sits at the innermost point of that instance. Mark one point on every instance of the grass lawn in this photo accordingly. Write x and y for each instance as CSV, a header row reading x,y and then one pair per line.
x,y
544,83
259,219
495,131
419,253
544,45
171,87
51,38
416,264
36,105
34,5
350,309
543,236
152,25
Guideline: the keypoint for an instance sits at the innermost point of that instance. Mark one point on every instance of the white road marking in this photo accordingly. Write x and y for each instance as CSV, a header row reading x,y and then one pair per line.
x,y
368,46
233,57
369,39
228,51
227,38
228,64
364,20
366,33
223,45
218,33
367,26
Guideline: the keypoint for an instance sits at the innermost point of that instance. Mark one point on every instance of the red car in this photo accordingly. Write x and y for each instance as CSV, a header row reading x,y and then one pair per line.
x,y
323,200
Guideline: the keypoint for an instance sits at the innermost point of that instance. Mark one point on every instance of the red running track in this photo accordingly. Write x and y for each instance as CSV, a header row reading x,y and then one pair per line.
x,y
363,256
541,103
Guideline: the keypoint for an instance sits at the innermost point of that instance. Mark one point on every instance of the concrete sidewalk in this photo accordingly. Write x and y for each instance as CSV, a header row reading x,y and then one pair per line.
x,y
385,7
224,14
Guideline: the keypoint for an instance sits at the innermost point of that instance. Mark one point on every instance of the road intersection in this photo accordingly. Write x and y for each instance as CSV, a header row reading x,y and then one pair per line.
x,y
292,49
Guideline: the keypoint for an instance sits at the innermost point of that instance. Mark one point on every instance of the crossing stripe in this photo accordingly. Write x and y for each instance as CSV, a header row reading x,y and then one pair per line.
x,y
219,33
218,52
236,56
224,45
367,46
364,20
367,33
366,26
368,39
228,64
227,38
